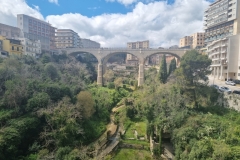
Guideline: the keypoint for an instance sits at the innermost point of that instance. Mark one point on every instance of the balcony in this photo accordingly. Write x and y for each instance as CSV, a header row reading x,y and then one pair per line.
x,y
224,45
224,51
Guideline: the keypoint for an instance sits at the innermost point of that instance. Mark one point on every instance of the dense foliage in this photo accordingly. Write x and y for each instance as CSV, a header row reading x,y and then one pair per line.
x,y
202,131
48,110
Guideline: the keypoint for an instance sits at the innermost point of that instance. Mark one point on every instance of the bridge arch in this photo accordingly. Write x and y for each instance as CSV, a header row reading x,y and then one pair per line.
x,y
76,53
106,58
178,58
103,54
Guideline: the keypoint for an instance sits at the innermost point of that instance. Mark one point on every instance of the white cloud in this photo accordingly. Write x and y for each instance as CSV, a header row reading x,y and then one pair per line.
x,y
53,1
36,7
160,23
125,2
10,8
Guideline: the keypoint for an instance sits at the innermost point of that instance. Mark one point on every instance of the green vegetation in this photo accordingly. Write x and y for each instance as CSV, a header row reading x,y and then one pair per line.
x,y
172,66
51,108
132,154
163,70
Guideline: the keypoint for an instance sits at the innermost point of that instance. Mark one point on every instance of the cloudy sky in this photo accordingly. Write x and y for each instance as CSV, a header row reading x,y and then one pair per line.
x,y
113,23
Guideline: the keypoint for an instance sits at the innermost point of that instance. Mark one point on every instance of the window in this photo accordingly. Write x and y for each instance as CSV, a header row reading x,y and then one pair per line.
x,y
12,47
17,49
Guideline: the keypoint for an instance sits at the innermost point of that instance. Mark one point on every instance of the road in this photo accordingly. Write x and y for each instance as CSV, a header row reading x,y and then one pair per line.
x,y
221,83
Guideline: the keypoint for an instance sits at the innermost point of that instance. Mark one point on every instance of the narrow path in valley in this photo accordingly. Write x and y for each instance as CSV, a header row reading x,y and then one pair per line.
x,y
113,130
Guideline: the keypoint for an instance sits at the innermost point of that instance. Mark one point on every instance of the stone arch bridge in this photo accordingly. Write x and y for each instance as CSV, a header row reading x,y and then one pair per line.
x,y
103,54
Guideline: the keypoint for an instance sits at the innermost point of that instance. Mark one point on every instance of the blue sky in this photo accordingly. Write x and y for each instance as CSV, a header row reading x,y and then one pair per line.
x,y
113,23
88,8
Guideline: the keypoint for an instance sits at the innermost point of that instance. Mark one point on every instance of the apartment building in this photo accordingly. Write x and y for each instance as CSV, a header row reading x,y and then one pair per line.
x,y
130,59
35,29
67,38
31,47
222,28
185,42
196,40
9,31
87,43
11,46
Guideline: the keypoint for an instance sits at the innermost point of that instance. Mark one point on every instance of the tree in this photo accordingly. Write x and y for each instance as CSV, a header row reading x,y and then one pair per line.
x,y
85,101
51,71
118,82
172,66
109,75
192,72
163,70
195,66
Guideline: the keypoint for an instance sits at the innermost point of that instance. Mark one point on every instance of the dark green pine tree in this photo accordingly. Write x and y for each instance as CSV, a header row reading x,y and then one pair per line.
x,y
172,66
163,70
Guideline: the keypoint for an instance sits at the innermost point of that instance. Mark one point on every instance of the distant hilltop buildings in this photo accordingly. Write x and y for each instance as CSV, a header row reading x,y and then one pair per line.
x,y
34,37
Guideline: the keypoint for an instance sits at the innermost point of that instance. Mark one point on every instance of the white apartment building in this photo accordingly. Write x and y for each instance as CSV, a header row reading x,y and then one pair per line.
x,y
67,38
35,29
9,31
222,28
87,43
31,47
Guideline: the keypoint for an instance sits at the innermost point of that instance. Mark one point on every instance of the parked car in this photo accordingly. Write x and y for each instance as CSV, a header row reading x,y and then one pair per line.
x,y
225,89
236,92
230,83
214,86
236,81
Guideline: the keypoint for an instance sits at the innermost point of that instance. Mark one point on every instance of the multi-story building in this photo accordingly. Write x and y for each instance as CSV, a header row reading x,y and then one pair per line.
x,y
9,31
67,38
222,28
87,43
196,40
138,45
185,42
11,46
35,29
133,60
31,47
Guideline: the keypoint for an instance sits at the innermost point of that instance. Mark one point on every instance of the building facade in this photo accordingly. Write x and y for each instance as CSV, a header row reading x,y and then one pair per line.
x,y
11,46
31,47
9,31
35,29
196,40
185,42
222,28
67,38
87,43
132,60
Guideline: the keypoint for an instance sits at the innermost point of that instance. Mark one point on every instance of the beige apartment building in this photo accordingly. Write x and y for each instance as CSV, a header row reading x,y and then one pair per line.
x,y
222,28
67,38
185,42
135,45
196,40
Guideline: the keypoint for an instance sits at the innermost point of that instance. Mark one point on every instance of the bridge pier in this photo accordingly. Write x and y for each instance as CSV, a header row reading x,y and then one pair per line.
x,y
100,74
141,74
